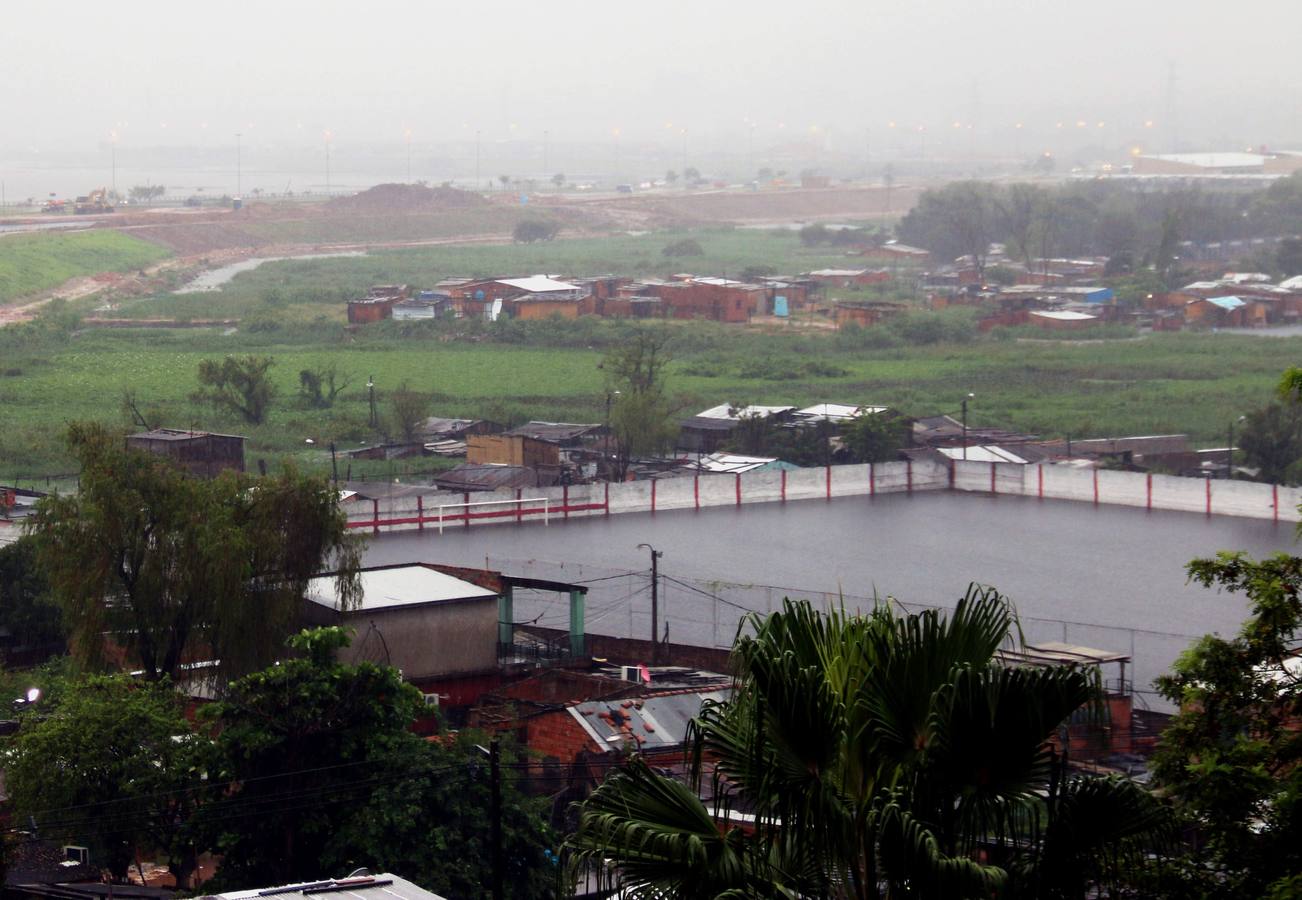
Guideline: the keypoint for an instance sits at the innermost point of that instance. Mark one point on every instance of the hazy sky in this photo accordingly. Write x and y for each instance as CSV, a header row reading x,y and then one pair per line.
x,y
836,71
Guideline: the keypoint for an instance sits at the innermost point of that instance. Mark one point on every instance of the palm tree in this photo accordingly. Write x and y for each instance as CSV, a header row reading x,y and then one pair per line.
x,y
875,755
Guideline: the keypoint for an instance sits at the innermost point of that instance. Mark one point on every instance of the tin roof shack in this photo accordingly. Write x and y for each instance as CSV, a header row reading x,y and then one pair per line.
x,y
1224,312
710,429
866,313
893,251
366,310
415,618
473,477
580,446
540,297
735,464
203,453
850,278
715,299
1060,319
512,450
1092,738
425,305
565,717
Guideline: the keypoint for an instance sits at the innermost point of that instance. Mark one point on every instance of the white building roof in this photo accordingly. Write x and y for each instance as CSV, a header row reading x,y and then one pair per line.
x,y
838,412
988,453
1063,315
369,887
398,586
732,463
837,273
726,411
539,284
1292,284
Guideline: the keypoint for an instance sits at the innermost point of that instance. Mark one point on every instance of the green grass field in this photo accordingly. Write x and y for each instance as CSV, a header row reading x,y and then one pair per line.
x,y
1161,384
30,263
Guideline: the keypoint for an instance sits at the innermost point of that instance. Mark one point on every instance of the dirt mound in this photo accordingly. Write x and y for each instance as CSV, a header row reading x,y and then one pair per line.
x,y
405,198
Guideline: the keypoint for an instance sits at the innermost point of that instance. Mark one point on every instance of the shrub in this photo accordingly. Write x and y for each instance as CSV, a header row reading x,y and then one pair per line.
x,y
685,247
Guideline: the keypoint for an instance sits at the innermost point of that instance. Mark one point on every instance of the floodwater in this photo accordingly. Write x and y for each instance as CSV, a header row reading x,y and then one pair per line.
x,y
215,279
1107,576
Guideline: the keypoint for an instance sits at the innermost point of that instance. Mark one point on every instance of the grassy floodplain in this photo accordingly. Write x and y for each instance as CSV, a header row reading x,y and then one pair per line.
x,y
1159,384
30,263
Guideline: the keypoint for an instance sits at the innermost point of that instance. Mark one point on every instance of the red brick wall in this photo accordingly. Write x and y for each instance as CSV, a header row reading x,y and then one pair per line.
x,y
557,734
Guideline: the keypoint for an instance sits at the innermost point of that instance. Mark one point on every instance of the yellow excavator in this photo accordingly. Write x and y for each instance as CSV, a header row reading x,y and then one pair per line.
x,y
97,201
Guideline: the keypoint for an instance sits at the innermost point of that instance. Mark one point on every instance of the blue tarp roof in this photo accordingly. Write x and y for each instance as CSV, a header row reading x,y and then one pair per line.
x,y
1226,303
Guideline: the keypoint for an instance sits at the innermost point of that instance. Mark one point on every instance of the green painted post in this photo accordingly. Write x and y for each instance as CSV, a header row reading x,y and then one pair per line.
x,y
505,618
576,623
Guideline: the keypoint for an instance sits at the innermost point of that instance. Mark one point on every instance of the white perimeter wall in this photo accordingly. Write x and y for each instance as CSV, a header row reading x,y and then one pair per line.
x,y
1233,498
1200,495
499,507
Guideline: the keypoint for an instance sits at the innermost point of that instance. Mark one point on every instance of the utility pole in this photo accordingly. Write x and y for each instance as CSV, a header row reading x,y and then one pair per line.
x,y
965,400
655,602
495,801
374,420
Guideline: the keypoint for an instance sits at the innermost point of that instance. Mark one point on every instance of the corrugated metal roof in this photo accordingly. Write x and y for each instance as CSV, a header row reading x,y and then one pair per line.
x,y
731,463
985,453
838,411
376,887
1062,315
1226,303
727,411
539,284
651,723
399,586
555,432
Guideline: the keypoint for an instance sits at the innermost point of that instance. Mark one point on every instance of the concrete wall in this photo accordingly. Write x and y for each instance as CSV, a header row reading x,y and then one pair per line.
x,y
1232,498
526,504
1199,495
435,639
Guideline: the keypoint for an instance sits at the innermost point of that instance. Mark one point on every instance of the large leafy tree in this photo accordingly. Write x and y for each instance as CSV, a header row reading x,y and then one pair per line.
x,y
26,610
641,413
239,384
113,764
877,752
173,568
1232,757
326,776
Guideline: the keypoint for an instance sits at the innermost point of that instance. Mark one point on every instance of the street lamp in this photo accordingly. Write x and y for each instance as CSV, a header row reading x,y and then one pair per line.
x,y
655,601
1229,448
965,400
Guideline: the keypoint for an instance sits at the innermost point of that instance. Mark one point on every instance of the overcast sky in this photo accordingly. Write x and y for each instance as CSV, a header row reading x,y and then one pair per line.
x,y
158,72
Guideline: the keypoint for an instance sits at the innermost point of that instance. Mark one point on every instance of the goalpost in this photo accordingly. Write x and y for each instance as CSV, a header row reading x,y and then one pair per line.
x,y
516,507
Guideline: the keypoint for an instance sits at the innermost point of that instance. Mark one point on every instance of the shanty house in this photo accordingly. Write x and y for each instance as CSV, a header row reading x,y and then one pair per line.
x,y
201,453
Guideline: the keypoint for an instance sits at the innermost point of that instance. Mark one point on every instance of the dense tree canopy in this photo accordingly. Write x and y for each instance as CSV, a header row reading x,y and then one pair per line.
x,y
114,764
326,777
26,608
1232,757
173,568
880,751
